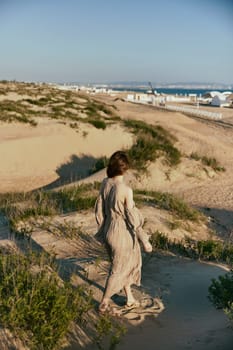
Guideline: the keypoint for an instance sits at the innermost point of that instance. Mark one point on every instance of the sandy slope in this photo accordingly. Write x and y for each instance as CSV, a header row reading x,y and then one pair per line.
x,y
196,185
210,190
32,157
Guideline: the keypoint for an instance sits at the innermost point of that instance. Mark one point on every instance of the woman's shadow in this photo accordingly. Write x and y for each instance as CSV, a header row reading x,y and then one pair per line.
x,y
75,169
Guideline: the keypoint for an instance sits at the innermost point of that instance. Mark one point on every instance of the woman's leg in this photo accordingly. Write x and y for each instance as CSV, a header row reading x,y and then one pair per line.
x,y
104,304
129,296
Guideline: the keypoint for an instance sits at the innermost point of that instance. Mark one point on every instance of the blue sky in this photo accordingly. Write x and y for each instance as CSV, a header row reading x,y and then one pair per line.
x,y
121,40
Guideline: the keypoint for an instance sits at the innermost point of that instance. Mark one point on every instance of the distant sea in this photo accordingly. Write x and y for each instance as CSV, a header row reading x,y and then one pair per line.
x,y
170,91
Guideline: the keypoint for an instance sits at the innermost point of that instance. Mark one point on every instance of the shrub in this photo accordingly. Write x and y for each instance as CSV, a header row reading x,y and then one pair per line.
x,y
221,291
151,142
35,304
108,327
142,151
159,241
99,124
211,250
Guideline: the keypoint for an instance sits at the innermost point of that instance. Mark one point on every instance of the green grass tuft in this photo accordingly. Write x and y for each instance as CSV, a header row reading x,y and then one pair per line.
x,y
151,142
35,304
208,161
22,206
209,250
99,124
169,202
108,327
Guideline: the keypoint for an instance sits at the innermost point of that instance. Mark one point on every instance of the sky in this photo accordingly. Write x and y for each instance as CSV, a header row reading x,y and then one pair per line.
x,y
123,40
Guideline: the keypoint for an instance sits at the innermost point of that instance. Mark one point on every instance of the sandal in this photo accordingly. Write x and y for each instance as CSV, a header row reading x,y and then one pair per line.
x,y
132,305
109,309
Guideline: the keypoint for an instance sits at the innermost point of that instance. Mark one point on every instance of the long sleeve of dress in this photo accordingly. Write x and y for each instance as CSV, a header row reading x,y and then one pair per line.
x,y
135,222
99,205
99,210
134,217
100,216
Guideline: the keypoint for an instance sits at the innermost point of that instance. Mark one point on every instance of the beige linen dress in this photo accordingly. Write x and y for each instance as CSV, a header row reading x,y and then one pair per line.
x,y
117,230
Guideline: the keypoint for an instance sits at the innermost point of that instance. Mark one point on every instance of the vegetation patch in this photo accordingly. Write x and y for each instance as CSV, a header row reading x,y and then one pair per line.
x,y
168,201
209,250
35,304
22,206
93,108
208,161
108,327
221,293
99,124
11,111
43,101
152,141
54,104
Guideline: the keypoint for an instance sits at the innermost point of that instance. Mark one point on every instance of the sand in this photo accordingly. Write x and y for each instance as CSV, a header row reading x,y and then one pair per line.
x,y
207,191
53,153
189,320
32,157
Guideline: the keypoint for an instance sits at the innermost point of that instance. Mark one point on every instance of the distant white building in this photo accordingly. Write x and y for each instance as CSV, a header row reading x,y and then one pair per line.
x,y
155,99
216,98
130,97
211,94
193,97
146,98
227,93
220,101
140,98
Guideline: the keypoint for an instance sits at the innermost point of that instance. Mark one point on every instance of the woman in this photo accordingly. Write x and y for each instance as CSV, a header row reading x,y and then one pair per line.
x,y
120,227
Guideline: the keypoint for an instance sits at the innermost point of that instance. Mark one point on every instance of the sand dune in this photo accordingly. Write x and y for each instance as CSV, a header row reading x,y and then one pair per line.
x,y
54,153
34,157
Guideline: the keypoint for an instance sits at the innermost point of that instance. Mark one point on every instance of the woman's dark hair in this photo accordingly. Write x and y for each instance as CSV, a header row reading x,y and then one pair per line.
x,y
118,164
